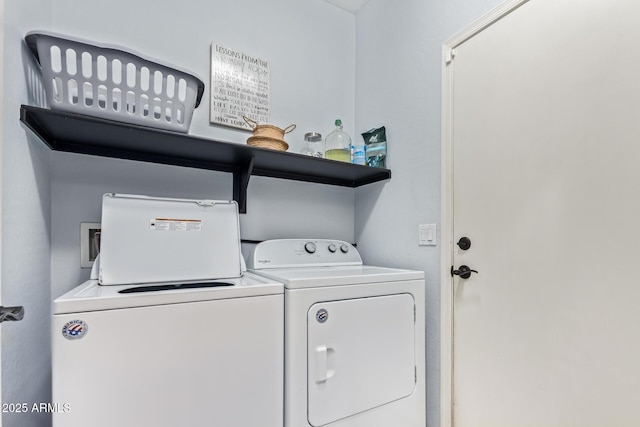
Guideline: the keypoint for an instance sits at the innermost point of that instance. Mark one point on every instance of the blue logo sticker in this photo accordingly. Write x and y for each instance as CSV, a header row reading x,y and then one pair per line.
x,y
74,329
322,315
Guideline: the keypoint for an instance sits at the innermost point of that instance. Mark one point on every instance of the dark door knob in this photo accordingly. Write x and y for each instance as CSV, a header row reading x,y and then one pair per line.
x,y
464,243
463,271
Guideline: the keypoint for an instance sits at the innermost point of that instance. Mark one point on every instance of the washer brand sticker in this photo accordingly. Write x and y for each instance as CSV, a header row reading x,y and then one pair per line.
x,y
74,329
173,224
322,315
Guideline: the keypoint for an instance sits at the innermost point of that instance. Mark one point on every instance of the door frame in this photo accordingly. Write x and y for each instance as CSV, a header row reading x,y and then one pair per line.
x,y
446,197
1,163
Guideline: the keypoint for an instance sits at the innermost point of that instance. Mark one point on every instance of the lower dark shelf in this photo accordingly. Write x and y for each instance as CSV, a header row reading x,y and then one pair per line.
x,y
76,133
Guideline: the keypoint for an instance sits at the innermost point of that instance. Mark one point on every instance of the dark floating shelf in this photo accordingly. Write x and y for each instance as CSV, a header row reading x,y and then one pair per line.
x,y
77,133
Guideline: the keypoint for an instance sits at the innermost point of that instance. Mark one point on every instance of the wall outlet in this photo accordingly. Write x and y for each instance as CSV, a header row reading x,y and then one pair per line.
x,y
427,235
89,243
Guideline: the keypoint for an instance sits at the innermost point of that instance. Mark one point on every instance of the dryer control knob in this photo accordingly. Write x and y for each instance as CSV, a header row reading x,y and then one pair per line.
x,y
310,247
332,248
344,249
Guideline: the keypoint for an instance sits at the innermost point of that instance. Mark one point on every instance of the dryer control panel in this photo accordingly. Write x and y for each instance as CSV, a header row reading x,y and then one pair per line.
x,y
284,253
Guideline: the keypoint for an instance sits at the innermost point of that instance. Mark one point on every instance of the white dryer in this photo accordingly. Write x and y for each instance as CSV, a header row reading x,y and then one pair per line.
x,y
354,336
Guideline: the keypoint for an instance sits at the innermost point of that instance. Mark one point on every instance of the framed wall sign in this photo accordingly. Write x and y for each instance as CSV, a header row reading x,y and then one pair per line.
x,y
239,87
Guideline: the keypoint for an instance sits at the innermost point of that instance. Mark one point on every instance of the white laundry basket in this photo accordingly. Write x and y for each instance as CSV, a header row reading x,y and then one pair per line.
x,y
112,83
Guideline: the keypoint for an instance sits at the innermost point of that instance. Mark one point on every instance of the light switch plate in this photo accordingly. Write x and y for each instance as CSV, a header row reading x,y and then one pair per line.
x,y
427,235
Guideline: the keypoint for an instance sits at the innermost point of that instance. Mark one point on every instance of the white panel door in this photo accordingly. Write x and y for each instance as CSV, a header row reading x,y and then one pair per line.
x,y
546,184
361,354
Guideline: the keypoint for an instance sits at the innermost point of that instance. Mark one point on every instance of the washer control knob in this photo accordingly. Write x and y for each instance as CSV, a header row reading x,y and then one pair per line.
x,y
310,247
344,249
332,247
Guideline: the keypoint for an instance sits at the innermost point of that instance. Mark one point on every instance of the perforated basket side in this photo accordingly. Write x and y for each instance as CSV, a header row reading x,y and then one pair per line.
x,y
115,84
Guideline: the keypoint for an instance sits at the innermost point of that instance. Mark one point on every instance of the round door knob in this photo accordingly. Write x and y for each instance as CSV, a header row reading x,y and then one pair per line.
x,y
344,249
464,243
332,248
310,247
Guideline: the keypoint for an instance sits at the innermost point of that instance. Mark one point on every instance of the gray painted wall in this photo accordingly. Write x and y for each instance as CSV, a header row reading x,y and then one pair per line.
x,y
310,45
26,224
311,49
398,82
78,183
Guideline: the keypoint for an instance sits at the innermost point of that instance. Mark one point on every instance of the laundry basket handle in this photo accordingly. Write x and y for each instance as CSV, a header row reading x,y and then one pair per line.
x,y
289,128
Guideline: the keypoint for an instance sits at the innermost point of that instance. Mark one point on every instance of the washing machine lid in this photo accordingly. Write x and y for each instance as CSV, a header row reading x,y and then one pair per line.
x,y
152,239
314,277
91,296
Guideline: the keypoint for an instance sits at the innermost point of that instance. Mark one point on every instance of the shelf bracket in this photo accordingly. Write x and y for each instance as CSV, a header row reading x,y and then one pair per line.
x,y
240,183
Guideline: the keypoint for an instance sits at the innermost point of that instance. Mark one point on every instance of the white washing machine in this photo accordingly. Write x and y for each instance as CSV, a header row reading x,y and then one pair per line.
x,y
173,333
354,336
168,356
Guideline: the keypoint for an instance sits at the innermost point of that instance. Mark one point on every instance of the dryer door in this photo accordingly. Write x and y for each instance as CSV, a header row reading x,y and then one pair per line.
x,y
360,355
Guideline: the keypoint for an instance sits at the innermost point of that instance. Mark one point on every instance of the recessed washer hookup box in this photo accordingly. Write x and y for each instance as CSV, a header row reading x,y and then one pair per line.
x,y
151,239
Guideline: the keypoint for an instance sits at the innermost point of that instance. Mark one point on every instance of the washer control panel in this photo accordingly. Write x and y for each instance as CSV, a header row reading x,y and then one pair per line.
x,y
283,253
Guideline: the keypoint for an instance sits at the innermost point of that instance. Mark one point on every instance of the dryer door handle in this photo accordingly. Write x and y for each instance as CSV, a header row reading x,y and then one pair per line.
x,y
321,364
324,363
